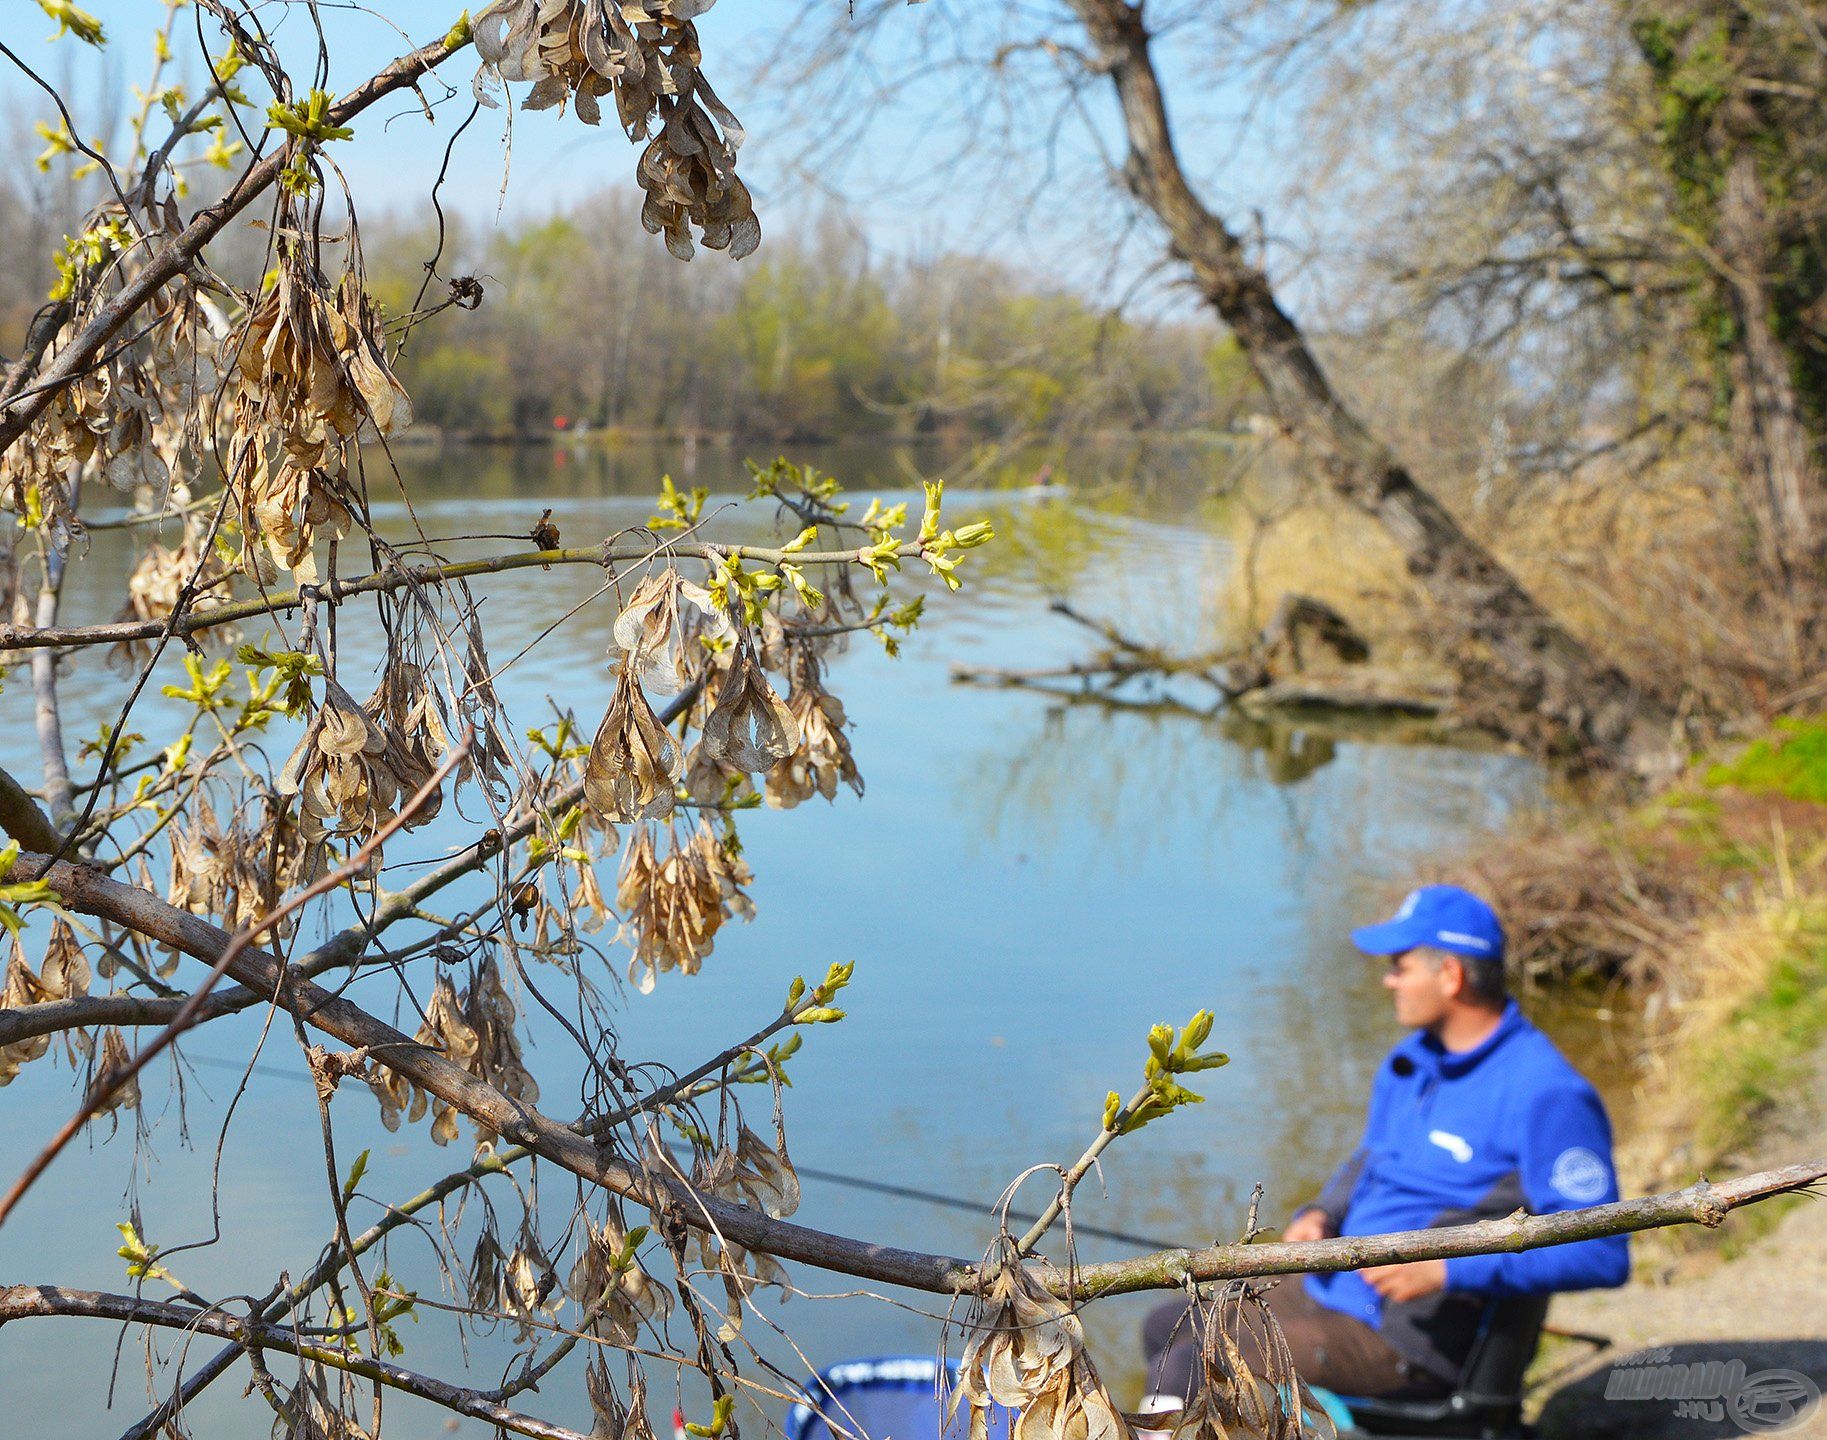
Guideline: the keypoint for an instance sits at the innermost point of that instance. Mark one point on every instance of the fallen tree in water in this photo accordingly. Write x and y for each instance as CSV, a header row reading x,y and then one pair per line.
x,y
1265,676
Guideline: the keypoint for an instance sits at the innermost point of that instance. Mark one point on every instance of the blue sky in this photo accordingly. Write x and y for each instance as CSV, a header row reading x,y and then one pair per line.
x,y
1022,196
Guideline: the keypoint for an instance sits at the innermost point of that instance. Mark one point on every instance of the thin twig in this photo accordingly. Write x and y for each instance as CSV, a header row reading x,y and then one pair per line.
x,y
1080,1168
18,1302
109,1081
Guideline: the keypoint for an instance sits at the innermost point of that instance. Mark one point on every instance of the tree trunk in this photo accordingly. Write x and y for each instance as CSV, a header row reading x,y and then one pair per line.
x,y
1525,673
1737,85
1770,439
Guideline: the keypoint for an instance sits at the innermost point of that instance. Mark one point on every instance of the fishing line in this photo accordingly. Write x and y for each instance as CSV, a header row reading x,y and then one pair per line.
x,y
805,1172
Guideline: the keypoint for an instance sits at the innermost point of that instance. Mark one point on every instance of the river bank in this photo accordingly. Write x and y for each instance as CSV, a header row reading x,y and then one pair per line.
x,y
1755,1303
950,439
1706,906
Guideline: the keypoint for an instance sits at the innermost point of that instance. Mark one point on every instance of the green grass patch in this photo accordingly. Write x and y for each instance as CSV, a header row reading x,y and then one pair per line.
x,y
1791,760
1765,1052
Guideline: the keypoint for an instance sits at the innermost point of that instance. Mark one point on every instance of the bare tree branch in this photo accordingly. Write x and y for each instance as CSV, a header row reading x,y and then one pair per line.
x,y
88,892
20,1302
17,414
107,1082
1552,674
25,637
21,818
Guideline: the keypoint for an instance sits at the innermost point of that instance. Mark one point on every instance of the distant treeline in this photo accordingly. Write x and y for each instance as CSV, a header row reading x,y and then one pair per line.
x,y
587,319
584,320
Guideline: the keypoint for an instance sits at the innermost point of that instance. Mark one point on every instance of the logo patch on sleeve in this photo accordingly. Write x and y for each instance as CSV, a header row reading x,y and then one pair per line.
x,y
1580,1175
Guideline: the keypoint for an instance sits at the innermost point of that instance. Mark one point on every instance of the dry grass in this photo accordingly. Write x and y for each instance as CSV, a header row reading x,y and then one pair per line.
x,y
1587,902
1320,547
1654,573
1743,1030
1651,569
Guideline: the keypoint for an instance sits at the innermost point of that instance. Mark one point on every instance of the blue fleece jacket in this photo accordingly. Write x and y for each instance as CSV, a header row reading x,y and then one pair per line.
x,y
1457,1137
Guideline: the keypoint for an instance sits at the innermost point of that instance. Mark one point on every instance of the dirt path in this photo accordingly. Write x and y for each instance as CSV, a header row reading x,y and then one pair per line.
x,y
1766,1309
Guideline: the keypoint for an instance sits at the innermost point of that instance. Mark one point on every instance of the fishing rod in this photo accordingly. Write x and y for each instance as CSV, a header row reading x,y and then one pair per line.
x,y
957,1202
807,1172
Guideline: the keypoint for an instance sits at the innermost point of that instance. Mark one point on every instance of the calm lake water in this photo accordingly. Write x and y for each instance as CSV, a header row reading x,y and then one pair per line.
x,y
1028,886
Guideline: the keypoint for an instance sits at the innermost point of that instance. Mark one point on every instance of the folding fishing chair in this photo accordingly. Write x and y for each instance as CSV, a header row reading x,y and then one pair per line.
x,y
1486,1404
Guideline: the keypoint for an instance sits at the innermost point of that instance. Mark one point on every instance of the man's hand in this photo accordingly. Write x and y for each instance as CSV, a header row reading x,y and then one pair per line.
x,y
1309,1225
1413,1281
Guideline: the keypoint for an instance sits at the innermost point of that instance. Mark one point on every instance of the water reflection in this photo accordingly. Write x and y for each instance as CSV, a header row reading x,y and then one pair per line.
x,y
1029,885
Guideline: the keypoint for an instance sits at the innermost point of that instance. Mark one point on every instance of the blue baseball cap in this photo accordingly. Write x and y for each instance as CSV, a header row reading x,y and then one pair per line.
x,y
1442,917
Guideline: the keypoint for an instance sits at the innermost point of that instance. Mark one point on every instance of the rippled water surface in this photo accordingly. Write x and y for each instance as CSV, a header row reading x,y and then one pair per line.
x,y
1028,885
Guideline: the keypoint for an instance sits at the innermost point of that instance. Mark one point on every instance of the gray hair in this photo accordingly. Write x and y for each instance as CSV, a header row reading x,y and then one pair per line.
x,y
1484,977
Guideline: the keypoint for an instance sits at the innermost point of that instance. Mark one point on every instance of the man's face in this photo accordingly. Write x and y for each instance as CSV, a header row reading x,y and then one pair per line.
x,y
1423,988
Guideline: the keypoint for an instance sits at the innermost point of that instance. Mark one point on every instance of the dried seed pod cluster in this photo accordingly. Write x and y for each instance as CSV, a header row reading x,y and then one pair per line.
x,y
753,1173
445,1029
312,379
358,763
672,909
615,1418
521,1284
610,1285
821,759
63,975
750,727
761,1176
160,575
645,53
664,625
709,780
408,703
635,763
489,1011
131,420
1027,1353
607,1409
237,874
312,365
742,1271
309,1411
65,971
112,1059
1231,1398
476,1032
283,506
589,909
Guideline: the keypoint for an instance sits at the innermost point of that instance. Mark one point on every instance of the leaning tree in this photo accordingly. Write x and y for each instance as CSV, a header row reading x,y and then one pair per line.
x,y
155,886
1701,128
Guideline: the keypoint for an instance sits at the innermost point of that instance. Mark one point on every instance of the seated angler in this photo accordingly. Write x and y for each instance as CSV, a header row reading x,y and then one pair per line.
x,y
1474,1115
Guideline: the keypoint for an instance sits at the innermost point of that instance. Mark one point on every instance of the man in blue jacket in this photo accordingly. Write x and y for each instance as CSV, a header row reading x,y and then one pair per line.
x,y
1475,1114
